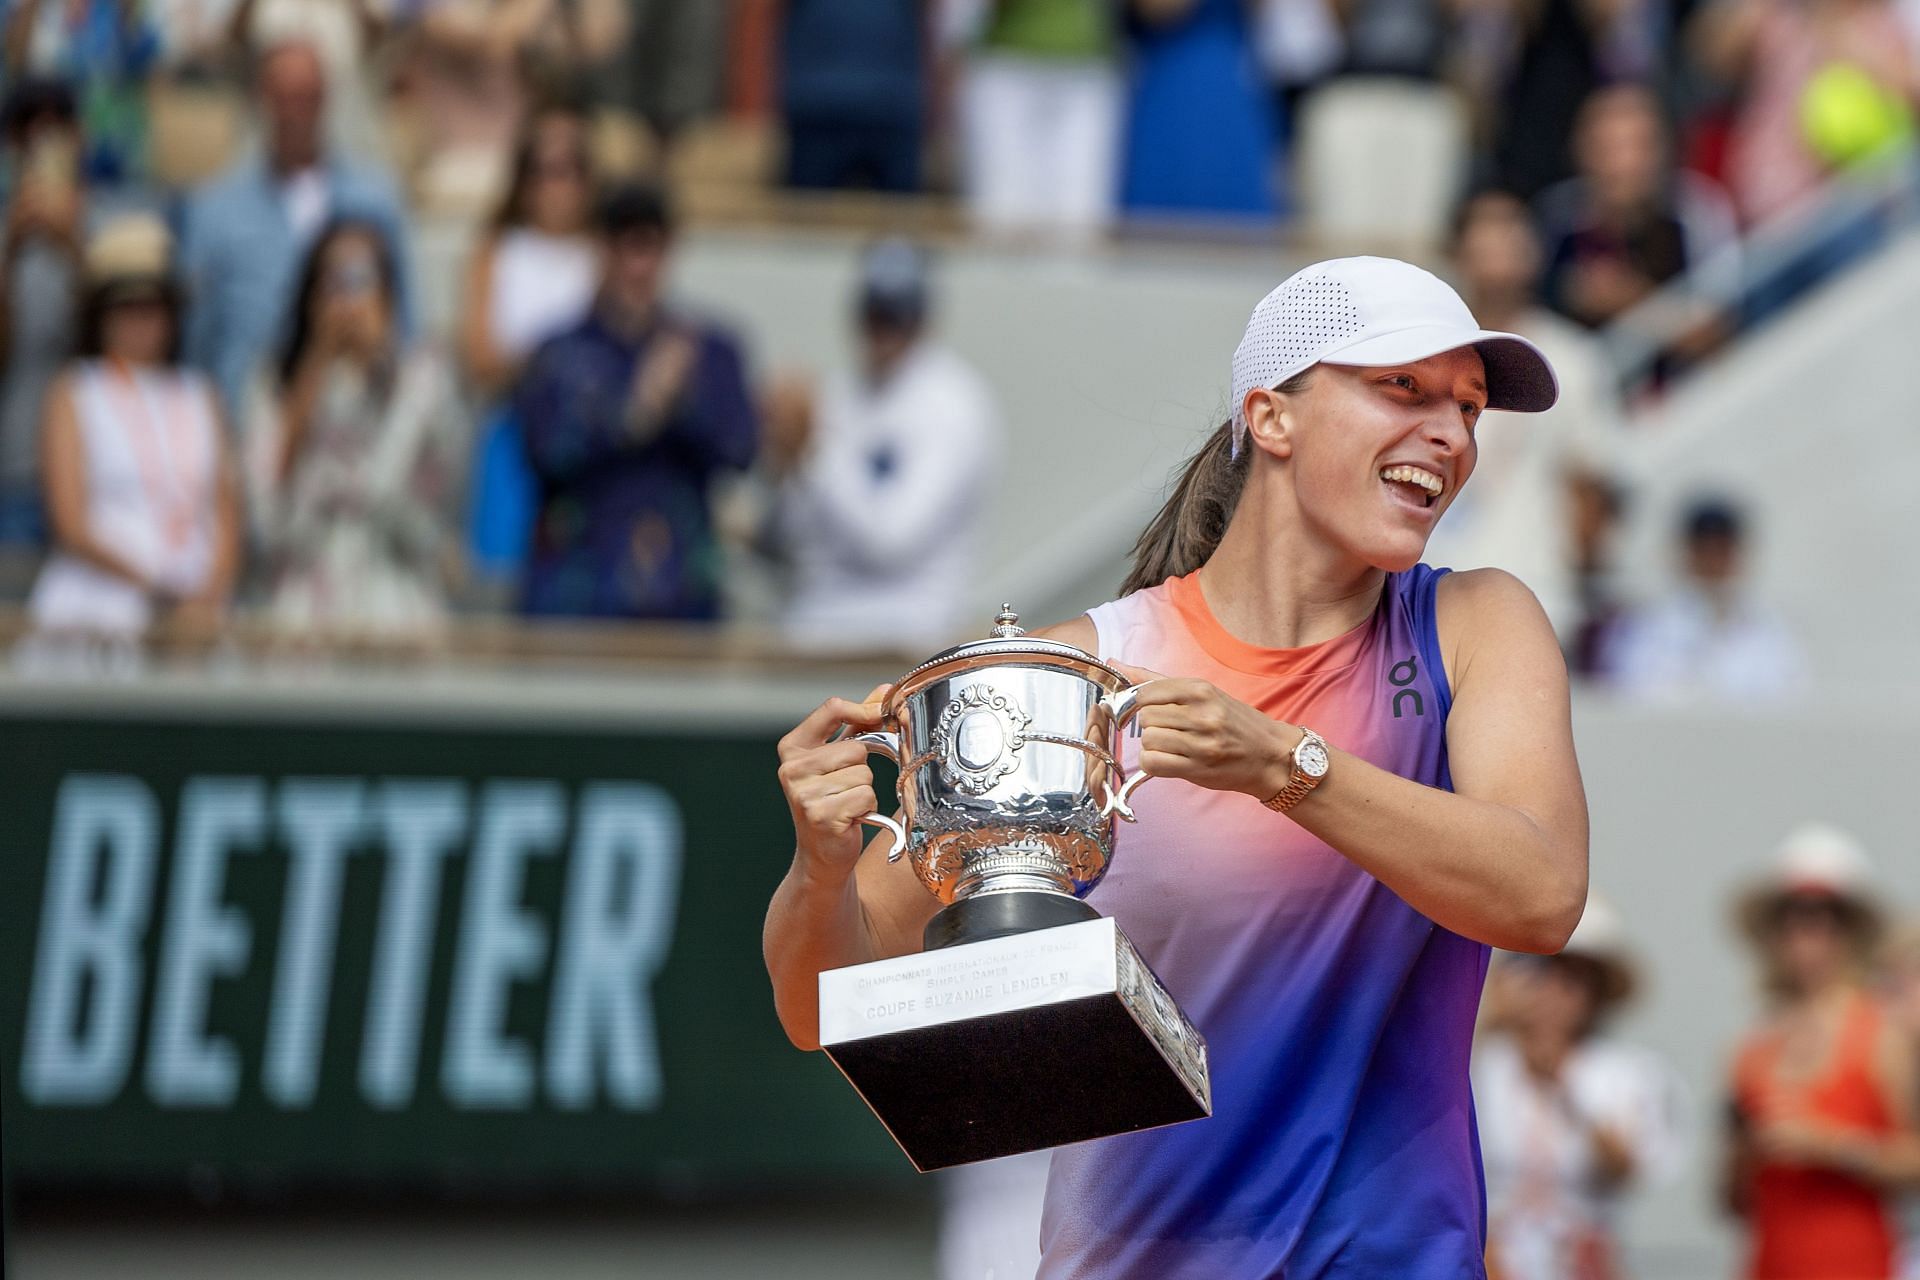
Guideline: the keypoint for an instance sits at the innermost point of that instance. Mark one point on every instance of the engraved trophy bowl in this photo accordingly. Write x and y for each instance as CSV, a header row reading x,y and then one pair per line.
x,y
1029,1020
1007,749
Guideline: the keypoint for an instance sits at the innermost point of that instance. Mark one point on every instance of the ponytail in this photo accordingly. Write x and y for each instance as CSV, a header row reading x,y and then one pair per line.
x,y
1194,519
1189,527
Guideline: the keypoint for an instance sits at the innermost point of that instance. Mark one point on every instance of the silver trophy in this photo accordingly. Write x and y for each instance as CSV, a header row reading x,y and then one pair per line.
x,y
1029,1020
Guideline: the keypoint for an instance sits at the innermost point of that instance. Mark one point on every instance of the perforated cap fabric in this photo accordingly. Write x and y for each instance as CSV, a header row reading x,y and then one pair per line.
x,y
1377,311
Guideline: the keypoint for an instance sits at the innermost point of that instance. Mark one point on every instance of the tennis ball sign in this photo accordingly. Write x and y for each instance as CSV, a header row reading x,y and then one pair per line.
x,y
1848,117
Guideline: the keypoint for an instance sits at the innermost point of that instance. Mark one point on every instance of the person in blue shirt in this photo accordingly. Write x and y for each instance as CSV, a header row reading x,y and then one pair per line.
x,y
628,417
247,231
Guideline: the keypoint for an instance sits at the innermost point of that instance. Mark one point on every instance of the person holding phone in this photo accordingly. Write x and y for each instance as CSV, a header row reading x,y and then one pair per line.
x,y
355,456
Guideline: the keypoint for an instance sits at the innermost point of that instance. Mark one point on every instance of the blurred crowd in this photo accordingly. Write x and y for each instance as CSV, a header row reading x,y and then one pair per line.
x,y
220,390
1810,1135
1815,1131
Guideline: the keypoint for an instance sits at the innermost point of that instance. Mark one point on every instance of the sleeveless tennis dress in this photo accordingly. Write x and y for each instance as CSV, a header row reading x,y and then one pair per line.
x,y
1338,1019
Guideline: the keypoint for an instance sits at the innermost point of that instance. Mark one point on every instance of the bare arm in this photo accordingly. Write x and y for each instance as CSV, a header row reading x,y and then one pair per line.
x,y
63,463
1502,858
490,368
1894,1161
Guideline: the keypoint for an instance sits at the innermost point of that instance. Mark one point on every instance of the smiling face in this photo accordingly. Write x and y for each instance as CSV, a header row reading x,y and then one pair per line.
x,y
1376,455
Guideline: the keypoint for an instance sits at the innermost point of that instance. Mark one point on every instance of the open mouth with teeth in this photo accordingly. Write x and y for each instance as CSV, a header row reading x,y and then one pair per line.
x,y
1417,483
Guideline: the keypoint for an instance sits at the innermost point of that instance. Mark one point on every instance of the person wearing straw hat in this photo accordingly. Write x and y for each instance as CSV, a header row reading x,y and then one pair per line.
x,y
1823,1089
1321,901
139,498
1571,1119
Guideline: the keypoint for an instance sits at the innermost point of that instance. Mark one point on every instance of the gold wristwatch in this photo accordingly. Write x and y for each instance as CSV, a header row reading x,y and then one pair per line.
x,y
1311,760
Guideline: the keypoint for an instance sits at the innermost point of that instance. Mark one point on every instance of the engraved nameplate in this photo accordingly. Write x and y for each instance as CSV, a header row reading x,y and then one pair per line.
x,y
970,981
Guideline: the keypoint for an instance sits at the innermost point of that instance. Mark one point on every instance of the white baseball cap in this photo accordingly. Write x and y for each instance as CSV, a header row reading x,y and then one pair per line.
x,y
1378,311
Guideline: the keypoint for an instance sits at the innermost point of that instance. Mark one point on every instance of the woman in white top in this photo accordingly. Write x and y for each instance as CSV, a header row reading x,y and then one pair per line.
x,y
535,274
1571,1120
138,493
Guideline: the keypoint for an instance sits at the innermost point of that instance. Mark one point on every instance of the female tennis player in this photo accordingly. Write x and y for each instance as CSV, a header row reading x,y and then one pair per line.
x,y
1320,899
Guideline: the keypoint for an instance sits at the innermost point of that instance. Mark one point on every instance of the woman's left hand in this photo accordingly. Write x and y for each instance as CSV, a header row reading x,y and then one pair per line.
x,y
1192,729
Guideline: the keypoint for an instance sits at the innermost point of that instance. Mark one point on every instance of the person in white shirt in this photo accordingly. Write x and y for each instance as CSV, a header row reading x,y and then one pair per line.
x,y
1711,637
1571,1119
885,475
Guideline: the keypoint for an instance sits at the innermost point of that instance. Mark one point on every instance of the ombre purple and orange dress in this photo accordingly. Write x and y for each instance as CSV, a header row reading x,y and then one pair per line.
x,y
1338,1019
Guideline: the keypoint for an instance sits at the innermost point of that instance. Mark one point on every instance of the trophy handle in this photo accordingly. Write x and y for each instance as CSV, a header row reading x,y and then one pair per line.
x,y
887,743
1122,704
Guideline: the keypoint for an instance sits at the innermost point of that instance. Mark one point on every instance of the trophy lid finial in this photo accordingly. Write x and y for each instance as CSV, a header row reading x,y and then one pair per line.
x,y
1007,625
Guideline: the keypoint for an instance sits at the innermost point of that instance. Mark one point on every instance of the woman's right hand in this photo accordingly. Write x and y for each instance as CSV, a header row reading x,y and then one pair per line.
x,y
829,785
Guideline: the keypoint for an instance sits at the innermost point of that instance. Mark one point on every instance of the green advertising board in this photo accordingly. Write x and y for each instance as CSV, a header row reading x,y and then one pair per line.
x,y
412,955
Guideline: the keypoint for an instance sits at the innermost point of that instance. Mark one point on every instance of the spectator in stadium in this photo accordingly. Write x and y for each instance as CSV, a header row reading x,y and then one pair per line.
x,y
885,476
104,51
534,273
1822,1099
1510,516
1595,503
1711,637
203,37
1629,222
246,233
1192,73
139,495
363,441
40,282
628,417
532,277
1572,1119
1039,112
1563,51
476,69
1822,84
853,91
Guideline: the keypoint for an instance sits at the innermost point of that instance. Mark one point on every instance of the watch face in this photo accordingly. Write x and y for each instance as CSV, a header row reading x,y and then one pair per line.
x,y
1310,758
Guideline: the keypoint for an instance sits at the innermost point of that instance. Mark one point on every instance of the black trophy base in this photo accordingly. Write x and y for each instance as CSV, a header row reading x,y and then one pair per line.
x,y
995,915
1014,1044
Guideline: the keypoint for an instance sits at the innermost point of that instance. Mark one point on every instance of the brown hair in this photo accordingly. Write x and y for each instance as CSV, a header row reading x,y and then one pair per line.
x,y
1184,534
512,211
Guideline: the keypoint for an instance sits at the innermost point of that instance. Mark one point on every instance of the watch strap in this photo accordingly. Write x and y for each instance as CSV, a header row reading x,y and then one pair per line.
x,y
1301,784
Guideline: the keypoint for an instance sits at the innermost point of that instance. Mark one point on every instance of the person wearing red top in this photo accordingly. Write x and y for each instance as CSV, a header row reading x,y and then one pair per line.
x,y
1822,1125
